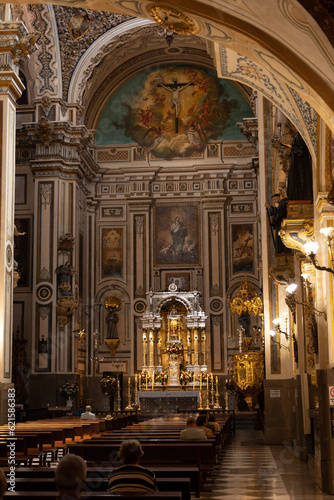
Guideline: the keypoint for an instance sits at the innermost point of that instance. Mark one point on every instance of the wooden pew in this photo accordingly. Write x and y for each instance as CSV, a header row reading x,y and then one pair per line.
x,y
191,473
101,484
96,495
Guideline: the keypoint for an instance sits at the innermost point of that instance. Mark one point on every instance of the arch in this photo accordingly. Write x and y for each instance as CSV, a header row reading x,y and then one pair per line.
x,y
95,54
172,298
106,289
283,33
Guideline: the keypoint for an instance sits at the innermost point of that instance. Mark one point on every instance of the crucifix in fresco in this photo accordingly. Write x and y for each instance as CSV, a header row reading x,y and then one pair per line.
x,y
175,88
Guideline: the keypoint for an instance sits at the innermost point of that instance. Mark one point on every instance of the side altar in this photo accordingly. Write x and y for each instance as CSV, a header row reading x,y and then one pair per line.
x,y
174,337
164,402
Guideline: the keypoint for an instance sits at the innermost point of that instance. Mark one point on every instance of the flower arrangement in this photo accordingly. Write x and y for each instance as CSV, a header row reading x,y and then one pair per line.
x,y
68,389
174,349
185,377
108,384
204,376
143,377
161,377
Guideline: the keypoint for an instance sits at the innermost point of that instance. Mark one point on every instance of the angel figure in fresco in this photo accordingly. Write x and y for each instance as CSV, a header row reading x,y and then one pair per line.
x,y
196,135
156,137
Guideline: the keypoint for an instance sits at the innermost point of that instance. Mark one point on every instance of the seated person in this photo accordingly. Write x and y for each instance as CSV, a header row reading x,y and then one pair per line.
x,y
88,415
3,484
212,421
70,477
131,477
192,432
201,424
209,425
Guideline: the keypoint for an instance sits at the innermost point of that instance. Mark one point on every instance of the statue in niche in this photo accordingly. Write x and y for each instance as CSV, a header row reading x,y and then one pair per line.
x,y
277,212
64,275
300,185
112,320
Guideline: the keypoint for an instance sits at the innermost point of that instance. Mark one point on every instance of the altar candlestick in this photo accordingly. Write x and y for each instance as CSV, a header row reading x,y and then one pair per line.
x,y
216,380
128,380
146,381
139,384
200,381
194,381
207,382
152,382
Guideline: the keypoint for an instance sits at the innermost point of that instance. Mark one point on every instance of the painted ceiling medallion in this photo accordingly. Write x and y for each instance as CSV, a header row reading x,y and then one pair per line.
x,y
172,20
78,26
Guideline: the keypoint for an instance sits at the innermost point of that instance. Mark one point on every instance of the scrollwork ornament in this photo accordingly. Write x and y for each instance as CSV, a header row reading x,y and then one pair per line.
x,y
44,312
140,225
25,46
214,223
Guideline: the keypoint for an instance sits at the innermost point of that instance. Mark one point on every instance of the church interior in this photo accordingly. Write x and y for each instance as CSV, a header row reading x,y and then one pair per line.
x,y
167,212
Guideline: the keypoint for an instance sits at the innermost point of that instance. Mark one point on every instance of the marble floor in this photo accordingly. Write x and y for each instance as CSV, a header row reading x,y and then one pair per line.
x,y
249,469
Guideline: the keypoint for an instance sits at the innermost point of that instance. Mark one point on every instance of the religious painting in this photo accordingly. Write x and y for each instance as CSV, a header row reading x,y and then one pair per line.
x,y
176,234
242,248
180,280
22,251
173,111
112,252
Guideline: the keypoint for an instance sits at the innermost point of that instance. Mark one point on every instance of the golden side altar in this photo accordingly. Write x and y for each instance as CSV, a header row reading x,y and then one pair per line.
x,y
248,366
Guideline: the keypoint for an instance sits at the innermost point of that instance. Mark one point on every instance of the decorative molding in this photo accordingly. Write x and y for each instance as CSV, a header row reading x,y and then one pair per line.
x,y
72,50
139,221
309,115
46,194
45,55
214,223
44,312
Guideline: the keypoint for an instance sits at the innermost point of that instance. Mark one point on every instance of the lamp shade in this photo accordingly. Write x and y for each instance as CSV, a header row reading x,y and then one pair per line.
x,y
311,247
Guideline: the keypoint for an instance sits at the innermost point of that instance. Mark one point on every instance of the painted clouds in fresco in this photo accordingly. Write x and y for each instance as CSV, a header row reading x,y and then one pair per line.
x,y
173,111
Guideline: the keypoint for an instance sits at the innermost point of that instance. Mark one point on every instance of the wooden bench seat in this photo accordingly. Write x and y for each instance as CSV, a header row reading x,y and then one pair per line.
x,y
101,484
96,495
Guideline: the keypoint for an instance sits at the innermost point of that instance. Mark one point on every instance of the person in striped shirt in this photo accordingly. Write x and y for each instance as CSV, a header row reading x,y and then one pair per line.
x,y
131,477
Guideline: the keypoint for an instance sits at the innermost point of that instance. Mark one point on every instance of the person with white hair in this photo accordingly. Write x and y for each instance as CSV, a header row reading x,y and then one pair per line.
x,y
70,477
88,415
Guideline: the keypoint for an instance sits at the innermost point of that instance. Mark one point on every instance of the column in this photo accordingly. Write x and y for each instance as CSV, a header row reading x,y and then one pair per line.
x,y
196,353
144,348
159,361
11,87
151,347
203,348
188,354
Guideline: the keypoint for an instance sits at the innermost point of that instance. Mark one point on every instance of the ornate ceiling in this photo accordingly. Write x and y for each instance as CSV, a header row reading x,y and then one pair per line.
x,y
277,49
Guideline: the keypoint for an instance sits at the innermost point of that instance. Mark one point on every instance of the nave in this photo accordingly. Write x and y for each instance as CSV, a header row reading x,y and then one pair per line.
x,y
243,468
250,469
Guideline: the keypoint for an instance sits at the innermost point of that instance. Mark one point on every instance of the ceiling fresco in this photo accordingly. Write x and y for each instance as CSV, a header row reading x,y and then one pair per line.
x,y
173,111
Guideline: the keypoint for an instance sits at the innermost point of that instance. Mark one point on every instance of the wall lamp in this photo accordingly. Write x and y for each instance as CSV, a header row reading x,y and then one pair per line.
x,y
277,323
291,300
272,333
312,247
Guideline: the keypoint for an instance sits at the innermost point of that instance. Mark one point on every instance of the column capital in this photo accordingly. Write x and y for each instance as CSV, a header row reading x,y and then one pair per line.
x,y
15,44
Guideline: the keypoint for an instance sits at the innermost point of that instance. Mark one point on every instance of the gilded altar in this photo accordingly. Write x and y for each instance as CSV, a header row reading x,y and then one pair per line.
x,y
248,368
174,334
